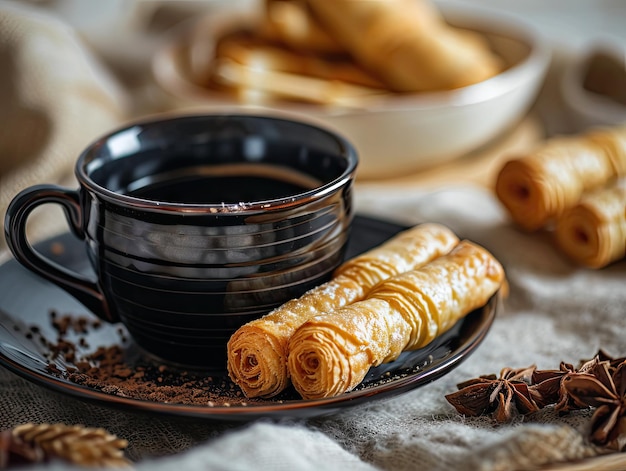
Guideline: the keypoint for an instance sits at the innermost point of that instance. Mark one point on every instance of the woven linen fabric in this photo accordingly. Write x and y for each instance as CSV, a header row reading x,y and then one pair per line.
x,y
56,98
555,311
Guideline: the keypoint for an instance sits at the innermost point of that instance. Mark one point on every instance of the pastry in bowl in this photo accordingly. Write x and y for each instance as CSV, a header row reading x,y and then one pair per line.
x,y
410,82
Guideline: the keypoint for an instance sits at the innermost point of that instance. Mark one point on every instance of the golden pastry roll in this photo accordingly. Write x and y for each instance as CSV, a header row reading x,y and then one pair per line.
x,y
613,141
593,233
538,187
290,22
258,72
331,354
407,43
251,51
255,84
257,351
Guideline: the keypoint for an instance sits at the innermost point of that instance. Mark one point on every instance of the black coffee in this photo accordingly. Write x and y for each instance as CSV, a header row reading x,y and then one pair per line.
x,y
229,184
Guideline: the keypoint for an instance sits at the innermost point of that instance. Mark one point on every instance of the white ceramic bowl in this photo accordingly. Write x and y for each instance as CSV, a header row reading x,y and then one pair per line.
x,y
405,132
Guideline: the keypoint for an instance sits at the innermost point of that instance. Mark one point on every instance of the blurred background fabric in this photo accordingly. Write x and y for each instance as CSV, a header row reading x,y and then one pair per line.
x,y
56,98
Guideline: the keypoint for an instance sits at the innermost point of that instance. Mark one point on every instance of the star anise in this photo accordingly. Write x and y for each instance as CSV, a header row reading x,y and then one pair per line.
x,y
601,356
499,396
603,386
546,385
598,383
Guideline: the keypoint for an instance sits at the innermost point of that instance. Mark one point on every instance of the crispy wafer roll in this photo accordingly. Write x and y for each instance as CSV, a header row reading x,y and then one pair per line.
x,y
271,84
291,22
407,43
613,142
331,354
537,187
250,51
593,233
257,352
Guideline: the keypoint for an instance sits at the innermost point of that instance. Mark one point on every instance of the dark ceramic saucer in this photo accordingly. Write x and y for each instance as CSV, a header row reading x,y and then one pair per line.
x,y
26,302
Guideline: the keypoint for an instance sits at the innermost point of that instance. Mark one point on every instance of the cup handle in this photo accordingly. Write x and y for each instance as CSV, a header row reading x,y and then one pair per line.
x,y
84,290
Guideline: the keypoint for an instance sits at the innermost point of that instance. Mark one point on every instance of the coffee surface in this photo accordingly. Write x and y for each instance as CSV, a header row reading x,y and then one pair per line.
x,y
223,184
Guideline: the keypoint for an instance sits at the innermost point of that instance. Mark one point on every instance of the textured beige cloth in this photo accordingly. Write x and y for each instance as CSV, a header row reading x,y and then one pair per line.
x,y
56,99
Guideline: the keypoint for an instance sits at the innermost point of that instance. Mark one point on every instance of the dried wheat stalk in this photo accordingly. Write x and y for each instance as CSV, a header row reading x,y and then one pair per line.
x,y
72,443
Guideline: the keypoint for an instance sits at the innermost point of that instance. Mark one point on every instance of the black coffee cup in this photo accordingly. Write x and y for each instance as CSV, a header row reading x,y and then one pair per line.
x,y
197,224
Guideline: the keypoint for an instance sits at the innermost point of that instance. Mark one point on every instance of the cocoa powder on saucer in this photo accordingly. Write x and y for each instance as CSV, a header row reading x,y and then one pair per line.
x,y
110,370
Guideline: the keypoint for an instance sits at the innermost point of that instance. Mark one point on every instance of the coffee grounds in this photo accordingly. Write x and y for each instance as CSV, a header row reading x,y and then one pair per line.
x,y
108,369
120,370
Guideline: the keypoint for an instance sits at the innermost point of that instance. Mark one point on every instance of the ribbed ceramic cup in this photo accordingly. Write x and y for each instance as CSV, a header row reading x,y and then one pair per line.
x,y
197,224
